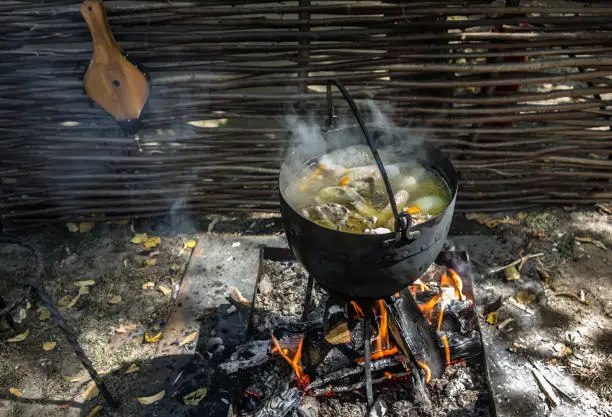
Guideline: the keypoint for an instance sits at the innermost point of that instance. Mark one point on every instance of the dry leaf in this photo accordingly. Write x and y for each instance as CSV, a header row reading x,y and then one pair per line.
x,y
489,221
189,338
72,227
152,399
83,290
164,290
139,238
16,392
20,337
150,262
44,314
64,301
74,300
512,273
525,297
591,241
190,244
195,397
125,328
86,227
492,318
95,411
148,285
149,338
49,346
115,299
86,283
132,368
152,242
76,378
91,391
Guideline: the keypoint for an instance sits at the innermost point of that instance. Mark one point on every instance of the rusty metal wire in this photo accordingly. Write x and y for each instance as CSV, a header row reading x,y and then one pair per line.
x,y
519,97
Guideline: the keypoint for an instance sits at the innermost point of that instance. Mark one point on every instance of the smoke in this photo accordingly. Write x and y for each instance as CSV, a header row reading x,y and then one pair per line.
x,y
396,144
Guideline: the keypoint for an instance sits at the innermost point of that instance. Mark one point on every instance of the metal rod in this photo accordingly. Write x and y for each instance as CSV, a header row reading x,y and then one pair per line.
x,y
367,336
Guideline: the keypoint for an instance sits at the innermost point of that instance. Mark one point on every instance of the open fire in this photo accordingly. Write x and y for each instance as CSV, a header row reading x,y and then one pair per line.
x,y
432,299
418,339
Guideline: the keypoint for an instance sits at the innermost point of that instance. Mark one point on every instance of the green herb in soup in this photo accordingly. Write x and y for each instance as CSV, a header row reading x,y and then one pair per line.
x,y
345,192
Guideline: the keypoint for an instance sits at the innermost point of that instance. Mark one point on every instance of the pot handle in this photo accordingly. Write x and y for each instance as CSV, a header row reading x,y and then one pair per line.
x,y
403,220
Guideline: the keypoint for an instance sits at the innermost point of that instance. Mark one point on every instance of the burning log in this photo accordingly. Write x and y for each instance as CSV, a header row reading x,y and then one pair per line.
x,y
414,336
357,385
376,365
335,321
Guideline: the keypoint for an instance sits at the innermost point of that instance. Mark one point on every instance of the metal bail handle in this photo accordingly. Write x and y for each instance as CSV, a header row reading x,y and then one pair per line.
x,y
403,221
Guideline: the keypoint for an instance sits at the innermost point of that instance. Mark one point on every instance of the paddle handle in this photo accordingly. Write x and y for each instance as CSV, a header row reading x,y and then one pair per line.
x,y
104,43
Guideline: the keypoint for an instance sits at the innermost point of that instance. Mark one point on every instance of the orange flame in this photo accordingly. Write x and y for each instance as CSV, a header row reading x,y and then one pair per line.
x,y
388,375
440,317
382,341
302,379
457,283
358,311
446,349
427,370
428,308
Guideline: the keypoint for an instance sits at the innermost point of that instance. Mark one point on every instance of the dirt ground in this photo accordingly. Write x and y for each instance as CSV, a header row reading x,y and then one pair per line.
x,y
569,286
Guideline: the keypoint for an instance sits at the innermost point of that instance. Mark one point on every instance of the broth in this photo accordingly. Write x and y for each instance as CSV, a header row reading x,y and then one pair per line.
x,y
344,191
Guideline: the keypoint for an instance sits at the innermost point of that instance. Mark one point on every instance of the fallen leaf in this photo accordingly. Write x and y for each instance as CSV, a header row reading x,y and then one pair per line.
x,y
512,273
95,411
86,227
86,283
164,290
150,262
76,378
74,300
152,242
132,368
152,399
91,391
20,337
64,301
148,285
190,244
195,397
49,346
83,290
139,238
544,276
489,221
44,314
492,318
591,241
125,328
123,222
115,299
525,297
189,338
152,338
72,227
16,392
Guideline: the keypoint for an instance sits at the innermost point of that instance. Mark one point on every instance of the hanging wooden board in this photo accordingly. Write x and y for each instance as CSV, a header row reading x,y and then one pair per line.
x,y
111,80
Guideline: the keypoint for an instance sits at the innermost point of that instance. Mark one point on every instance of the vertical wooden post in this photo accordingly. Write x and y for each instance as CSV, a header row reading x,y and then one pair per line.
x,y
303,54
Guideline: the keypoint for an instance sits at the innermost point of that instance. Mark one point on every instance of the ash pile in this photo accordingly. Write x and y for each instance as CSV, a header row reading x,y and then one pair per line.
x,y
306,355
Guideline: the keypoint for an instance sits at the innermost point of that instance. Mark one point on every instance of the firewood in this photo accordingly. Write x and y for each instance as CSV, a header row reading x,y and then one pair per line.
x,y
414,336
336,321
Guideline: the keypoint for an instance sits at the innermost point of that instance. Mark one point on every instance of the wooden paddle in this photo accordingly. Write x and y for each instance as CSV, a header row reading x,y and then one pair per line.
x,y
111,80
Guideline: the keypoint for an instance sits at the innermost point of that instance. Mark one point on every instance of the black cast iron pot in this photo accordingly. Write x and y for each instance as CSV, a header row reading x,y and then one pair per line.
x,y
364,265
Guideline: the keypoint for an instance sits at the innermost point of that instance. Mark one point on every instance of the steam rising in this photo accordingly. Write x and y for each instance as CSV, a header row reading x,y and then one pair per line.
x,y
395,143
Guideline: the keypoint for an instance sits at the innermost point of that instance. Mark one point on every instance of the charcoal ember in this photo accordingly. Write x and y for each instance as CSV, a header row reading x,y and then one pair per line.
x,y
424,296
333,361
251,354
281,404
464,346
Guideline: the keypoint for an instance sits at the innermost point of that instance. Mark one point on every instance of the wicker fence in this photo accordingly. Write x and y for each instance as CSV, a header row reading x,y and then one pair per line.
x,y
517,93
